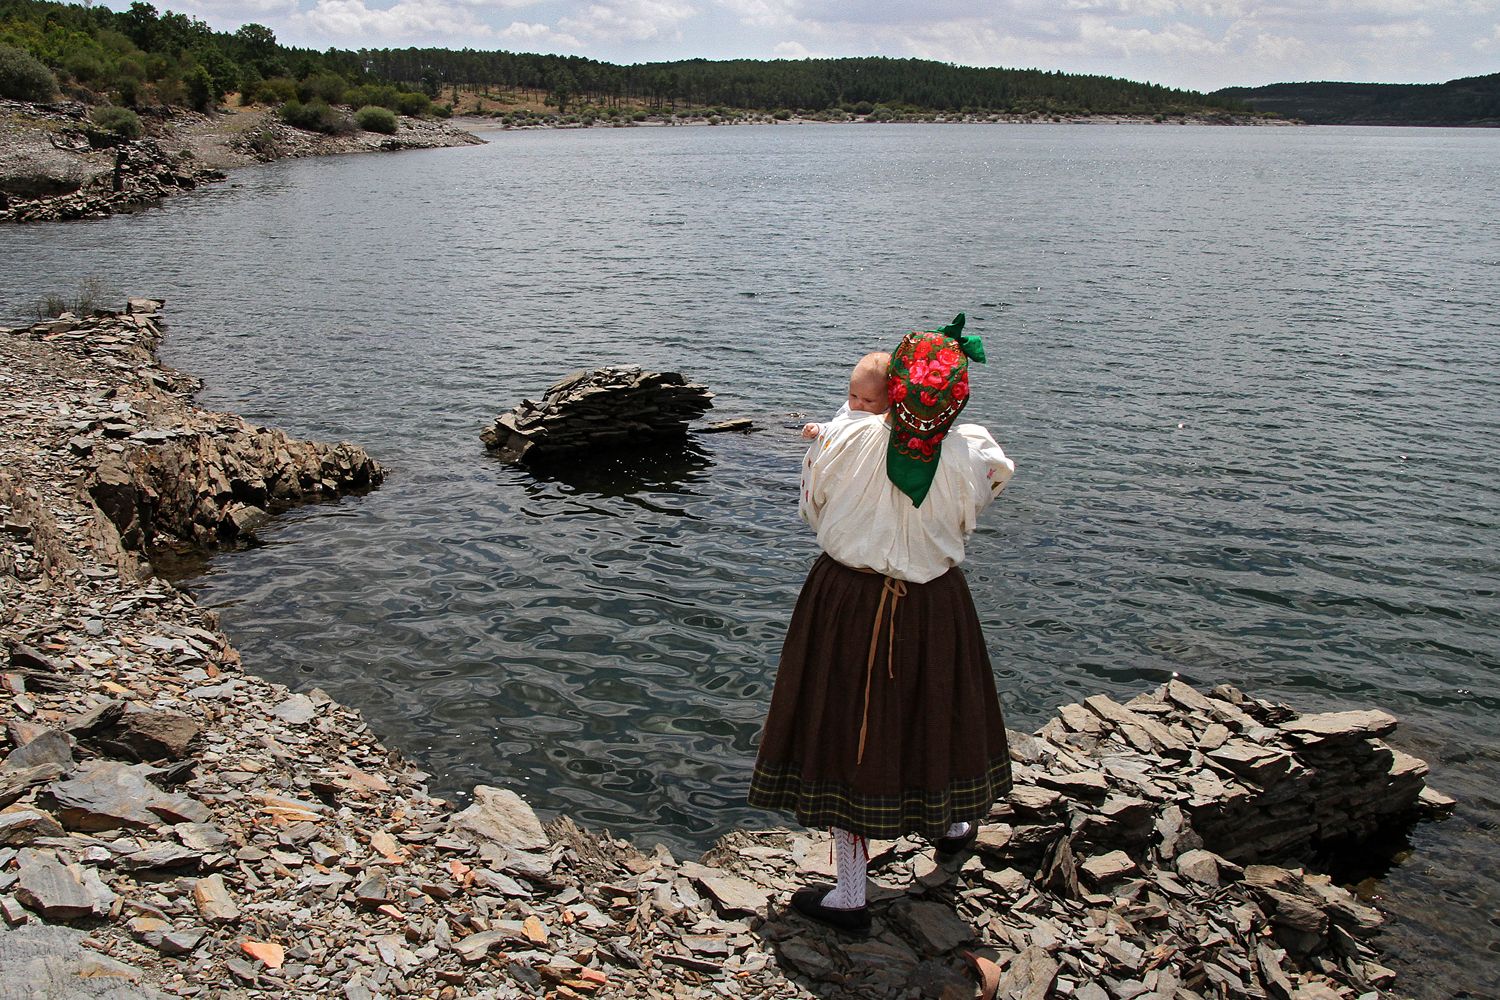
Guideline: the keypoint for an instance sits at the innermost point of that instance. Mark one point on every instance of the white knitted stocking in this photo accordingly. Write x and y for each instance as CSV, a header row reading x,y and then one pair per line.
x,y
851,855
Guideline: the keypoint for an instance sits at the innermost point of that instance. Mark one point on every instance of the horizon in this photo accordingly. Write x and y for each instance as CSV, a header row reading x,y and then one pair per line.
x,y
1201,45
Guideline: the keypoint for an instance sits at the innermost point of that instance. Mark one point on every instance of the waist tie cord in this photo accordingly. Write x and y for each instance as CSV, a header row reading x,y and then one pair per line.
x,y
895,590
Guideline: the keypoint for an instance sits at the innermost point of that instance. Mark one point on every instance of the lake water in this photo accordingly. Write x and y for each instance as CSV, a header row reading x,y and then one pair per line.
x,y
1249,378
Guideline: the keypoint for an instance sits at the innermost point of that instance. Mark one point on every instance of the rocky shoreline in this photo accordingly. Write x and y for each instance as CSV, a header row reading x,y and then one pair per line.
x,y
52,168
217,835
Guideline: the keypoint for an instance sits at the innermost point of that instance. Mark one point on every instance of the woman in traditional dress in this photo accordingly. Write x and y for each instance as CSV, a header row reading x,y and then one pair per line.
x,y
885,721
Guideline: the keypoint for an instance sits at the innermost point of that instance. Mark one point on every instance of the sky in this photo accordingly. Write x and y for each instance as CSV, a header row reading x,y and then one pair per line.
x,y
1196,44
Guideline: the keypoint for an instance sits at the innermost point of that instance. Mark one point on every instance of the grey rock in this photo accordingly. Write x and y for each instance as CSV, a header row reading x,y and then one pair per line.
x,y
732,893
108,795
1341,727
156,736
1029,976
52,889
934,926
501,816
298,710
24,824
50,748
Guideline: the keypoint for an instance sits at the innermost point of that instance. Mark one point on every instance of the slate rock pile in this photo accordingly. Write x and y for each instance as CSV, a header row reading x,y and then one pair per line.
x,y
143,173
604,409
159,472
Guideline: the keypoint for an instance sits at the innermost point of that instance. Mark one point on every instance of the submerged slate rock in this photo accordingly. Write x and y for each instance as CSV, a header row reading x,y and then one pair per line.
x,y
602,410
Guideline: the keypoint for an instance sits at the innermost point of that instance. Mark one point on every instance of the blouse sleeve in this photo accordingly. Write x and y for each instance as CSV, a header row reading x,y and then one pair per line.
x,y
989,469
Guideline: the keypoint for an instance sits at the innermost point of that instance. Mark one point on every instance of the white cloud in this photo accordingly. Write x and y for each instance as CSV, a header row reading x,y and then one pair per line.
x,y
538,36
630,20
796,50
1400,31
406,20
1490,44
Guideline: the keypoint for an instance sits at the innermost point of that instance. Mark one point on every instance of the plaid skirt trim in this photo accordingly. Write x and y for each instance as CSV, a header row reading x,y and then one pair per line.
x,y
825,803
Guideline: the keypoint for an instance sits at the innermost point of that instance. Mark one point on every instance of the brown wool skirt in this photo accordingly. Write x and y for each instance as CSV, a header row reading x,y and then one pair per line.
x,y
934,750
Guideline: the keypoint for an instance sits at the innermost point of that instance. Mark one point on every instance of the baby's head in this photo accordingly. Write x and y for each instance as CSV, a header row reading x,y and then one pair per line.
x,y
868,392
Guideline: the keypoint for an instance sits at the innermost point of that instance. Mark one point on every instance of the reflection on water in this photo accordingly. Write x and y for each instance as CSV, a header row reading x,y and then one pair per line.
x,y
667,467
1248,377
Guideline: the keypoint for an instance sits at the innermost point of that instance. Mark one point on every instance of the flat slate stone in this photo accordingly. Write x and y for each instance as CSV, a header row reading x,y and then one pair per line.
x,y
109,795
50,747
22,825
53,889
732,893
298,710
503,817
1107,867
1342,727
936,927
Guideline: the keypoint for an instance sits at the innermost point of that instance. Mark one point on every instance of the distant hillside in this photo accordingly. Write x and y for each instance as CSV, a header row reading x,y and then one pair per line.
x,y
1471,101
145,57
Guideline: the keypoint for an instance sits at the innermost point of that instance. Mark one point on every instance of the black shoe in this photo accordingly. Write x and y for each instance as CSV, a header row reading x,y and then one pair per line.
x,y
950,849
809,903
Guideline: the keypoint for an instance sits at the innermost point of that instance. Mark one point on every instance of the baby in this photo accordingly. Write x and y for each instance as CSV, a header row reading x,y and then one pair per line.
x,y
868,392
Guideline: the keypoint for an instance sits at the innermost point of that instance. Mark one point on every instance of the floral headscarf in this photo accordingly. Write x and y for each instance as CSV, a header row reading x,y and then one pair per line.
x,y
929,385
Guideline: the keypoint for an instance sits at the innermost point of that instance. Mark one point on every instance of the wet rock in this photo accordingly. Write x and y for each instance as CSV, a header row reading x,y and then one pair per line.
x,y
599,410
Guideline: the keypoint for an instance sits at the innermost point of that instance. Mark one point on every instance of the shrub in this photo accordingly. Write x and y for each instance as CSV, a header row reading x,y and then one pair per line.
x,y
325,88
373,118
782,114
863,108
120,123
638,116
276,90
202,94
443,110
409,102
381,94
23,78
316,117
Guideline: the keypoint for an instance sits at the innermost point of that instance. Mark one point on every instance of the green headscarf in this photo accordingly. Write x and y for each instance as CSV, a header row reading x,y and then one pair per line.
x,y
929,384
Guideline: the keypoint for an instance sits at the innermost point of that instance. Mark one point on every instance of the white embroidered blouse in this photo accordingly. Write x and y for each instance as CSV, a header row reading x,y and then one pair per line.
x,y
864,521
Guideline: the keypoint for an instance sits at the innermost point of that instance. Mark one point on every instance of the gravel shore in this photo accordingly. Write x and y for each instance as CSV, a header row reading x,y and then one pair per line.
x,y
212,834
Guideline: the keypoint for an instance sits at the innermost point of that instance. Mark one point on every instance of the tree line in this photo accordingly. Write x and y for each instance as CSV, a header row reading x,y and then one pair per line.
x,y
144,55
1471,101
